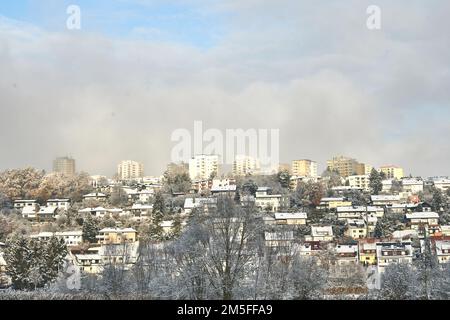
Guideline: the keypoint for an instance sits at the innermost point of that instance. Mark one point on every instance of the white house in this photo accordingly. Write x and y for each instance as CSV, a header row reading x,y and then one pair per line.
x,y
193,203
62,204
356,228
426,218
320,233
279,238
71,238
47,213
442,184
20,204
98,196
412,185
100,212
223,186
346,254
295,218
357,212
385,200
393,252
29,212
269,202
442,250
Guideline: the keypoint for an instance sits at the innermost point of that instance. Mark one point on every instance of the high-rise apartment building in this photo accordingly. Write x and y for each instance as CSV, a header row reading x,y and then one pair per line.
x,y
304,168
363,169
245,165
345,166
64,165
203,167
392,172
177,168
129,169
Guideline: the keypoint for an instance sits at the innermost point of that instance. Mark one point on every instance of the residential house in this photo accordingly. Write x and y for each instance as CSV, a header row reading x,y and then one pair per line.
x,y
270,202
346,254
393,252
359,181
442,184
442,248
279,238
356,229
97,196
223,186
297,218
417,219
30,212
117,236
384,200
357,212
47,214
311,248
71,238
367,251
320,233
61,204
88,263
100,212
20,204
412,185
197,203
333,203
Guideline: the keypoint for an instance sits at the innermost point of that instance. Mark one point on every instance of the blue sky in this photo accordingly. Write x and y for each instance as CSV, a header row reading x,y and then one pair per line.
x,y
166,21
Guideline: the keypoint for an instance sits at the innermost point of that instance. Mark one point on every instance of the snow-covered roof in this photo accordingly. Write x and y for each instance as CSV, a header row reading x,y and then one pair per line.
x,y
139,206
442,245
117,230
385,198
58,200
350,248
422,215
95,195
226,188
88,257
287,215
98,209
42,235
70,233
166,224
412,181
25,201
190,203
47,210
358,209
331,199
28,210
356,223
280,235
399,234
369,246
318,231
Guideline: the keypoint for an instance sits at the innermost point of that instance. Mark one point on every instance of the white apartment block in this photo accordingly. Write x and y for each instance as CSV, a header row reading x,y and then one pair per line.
x,y
413,186
245,165
393,252
203,167
129,169
442,184
359,181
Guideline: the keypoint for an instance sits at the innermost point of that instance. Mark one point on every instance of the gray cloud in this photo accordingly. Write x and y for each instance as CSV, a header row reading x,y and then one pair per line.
x,y
312,70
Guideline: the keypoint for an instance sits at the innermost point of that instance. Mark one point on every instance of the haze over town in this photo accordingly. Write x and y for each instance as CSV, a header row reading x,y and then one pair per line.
x,y
138,70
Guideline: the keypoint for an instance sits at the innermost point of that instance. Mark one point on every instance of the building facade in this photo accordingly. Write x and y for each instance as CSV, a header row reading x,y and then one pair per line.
x,y
64,165
304,168
129,169
203,167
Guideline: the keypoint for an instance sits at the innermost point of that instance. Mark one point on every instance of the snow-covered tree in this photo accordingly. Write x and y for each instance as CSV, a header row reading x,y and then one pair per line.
x,y
398,282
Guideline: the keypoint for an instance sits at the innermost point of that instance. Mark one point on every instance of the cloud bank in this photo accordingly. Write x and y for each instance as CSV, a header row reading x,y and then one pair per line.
x,y
313,70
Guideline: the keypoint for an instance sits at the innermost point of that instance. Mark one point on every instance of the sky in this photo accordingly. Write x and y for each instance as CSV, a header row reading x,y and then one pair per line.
x,y
139,69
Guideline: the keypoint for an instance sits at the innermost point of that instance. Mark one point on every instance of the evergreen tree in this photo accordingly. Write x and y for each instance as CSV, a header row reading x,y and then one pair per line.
x,y
177,226
438,201
379,231
284,178
90,230
375,181
18,257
